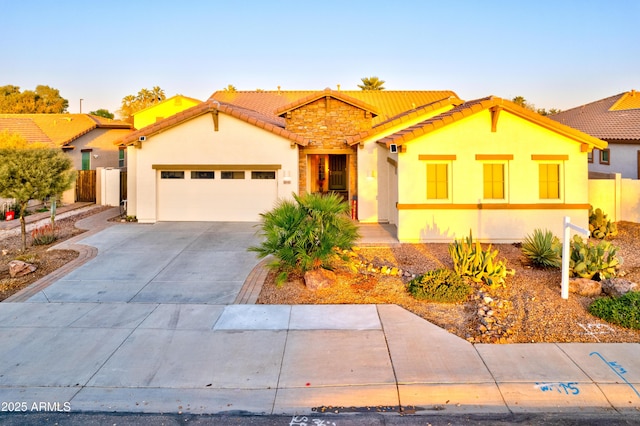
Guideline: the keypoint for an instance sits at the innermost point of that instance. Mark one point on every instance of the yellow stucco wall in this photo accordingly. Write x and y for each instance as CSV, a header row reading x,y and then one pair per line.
x,y
376,176
164,109
196,142
472,136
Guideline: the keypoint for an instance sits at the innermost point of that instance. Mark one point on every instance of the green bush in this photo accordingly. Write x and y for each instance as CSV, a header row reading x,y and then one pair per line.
x,y
596,262
599,226
440,285
469,260
543,249
303,234
623,311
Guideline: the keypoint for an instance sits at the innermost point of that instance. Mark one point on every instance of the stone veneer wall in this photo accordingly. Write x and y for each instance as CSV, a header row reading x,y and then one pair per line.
x,y
326,123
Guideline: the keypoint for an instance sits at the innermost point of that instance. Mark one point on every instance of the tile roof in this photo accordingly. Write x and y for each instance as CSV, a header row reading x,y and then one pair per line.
x,y
58,129
472,107
386,103
404,117
613,118
269,123
318,95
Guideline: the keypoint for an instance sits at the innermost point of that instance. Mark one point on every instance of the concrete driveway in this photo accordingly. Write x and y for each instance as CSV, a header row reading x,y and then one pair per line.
x,y
185,262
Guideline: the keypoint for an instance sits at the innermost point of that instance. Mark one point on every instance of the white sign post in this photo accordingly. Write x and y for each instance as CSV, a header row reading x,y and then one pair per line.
x,y
568,226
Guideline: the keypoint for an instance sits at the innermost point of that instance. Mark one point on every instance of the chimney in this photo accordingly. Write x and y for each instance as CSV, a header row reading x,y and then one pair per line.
x,y
633,93
338,87
278,90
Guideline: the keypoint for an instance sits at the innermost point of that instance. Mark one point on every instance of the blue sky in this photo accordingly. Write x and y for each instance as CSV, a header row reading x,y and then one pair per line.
x,y
554,53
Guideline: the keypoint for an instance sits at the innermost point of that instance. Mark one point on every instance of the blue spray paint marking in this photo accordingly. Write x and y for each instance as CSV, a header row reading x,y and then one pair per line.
x,y
569,388
618,369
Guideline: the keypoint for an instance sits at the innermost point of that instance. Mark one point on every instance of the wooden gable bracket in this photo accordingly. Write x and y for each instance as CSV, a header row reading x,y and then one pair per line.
x,y
584,147
214,114
327,101
495,113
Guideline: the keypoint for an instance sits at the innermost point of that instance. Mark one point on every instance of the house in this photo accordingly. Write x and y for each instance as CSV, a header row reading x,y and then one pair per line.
x,y
426,161
87,139
161,110
615,119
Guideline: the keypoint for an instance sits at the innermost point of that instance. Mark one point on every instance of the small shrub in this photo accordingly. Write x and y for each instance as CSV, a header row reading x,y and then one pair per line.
x,y
543,249
599,226
623,311
440,285
43,235
469,260
303,234
596,262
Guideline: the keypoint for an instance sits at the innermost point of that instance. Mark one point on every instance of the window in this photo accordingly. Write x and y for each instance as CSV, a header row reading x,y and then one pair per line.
x,y
121,157
437,181
493,181
604,156
202,175
86,160
263,175
232,175
549,181
590,157
171,175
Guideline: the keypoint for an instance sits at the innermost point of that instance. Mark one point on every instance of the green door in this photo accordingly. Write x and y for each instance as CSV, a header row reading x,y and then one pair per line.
x,y
86,160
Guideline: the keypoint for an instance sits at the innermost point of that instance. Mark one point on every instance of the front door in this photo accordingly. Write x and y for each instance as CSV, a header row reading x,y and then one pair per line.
x,y
338,172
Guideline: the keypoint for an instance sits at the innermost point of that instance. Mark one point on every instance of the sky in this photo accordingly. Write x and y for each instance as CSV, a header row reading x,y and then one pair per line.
x,y
556,54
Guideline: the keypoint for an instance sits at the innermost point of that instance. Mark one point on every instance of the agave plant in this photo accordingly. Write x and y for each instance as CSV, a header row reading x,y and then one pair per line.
x,y
543,249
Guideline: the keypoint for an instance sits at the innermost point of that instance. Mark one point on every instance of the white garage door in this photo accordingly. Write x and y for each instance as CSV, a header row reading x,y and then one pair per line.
x,y
215,195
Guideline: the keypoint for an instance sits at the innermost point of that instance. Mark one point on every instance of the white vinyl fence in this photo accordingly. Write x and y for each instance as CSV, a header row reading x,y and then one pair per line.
x,y
618,198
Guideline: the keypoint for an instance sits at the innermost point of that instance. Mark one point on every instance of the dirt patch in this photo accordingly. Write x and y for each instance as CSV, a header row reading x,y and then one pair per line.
x,y
46,260
529,309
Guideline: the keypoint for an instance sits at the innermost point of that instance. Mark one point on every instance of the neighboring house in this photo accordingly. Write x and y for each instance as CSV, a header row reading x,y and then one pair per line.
x,y
162,110
87,139
425,161
616,120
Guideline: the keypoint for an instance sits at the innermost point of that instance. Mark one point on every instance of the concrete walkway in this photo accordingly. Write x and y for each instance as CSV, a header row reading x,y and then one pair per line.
x,y
148,324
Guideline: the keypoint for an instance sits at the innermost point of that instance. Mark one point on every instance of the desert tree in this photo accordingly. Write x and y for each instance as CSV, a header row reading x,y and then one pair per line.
x,y
31,171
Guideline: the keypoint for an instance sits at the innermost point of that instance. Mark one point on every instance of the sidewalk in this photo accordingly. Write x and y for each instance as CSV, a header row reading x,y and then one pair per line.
x,y
80,343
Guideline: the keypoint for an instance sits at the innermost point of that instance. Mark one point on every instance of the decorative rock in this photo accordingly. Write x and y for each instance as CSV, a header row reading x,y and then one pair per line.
x,y
585,287
617,287
319,278
18,268
488,299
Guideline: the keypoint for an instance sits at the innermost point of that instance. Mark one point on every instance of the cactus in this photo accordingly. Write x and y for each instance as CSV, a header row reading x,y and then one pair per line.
x,y
599,226
597,262
469,260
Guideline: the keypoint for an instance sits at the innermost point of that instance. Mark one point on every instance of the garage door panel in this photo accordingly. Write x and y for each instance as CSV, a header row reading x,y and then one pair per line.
x,y
214,199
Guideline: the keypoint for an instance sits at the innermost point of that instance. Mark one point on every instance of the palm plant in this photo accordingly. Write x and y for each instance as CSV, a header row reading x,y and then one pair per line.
x,y
371,83
303,234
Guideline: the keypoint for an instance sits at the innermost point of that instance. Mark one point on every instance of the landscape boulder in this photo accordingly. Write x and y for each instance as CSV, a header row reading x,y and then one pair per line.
x,y
18,268
617,287
319,278
585,287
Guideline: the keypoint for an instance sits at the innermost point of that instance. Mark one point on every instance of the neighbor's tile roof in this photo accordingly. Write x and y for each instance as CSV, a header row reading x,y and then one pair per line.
x,y
385,103
59,129
471,107
613,118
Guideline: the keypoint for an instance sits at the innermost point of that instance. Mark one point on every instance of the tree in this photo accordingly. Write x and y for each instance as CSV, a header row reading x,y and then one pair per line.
x,y
371,83
520,100
102,113
230,88
31,172
44,100
144,99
